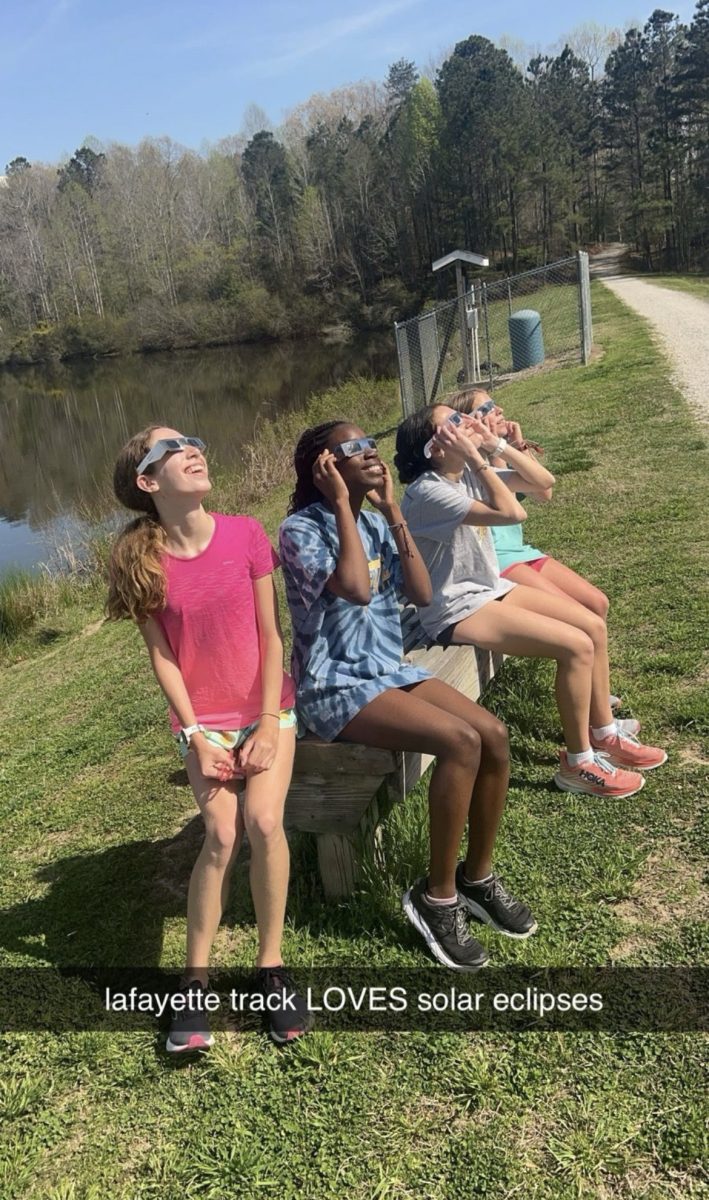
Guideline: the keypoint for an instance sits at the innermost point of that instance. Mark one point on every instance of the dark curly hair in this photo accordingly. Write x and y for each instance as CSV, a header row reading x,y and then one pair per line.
x,y
310,443
411,437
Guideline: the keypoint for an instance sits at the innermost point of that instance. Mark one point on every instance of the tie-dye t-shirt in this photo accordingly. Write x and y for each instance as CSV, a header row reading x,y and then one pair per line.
x,y
344,654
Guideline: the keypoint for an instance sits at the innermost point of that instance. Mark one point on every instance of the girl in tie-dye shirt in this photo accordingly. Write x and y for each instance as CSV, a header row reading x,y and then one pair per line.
x,y
343,566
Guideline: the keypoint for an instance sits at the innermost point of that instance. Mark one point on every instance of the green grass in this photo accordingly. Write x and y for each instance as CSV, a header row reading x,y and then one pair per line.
x,y
99,837
697,285
558,307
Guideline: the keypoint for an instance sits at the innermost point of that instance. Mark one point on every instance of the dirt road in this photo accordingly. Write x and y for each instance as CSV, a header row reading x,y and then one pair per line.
x,y
681,322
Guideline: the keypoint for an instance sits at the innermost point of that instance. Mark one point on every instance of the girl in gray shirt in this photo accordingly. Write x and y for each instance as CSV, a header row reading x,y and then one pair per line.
x,y
451,500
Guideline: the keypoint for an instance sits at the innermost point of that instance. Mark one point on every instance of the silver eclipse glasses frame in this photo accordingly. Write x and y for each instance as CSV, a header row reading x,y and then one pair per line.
x,y
345,449
163,446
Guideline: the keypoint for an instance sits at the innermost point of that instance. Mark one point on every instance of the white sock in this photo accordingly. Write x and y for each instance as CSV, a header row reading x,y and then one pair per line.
x,y
575,760
476,882
436,902
605,731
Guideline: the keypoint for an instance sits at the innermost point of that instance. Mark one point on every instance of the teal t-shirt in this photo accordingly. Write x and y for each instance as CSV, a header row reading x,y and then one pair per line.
x,y
508,540
510,547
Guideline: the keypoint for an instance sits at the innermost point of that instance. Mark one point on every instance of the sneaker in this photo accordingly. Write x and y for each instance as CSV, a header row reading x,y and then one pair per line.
x,y
597,777
288,1016
492,904
189,1028
628,725
444,929
624,750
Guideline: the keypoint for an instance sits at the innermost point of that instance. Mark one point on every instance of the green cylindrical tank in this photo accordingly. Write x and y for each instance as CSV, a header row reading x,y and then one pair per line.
x,y
526,339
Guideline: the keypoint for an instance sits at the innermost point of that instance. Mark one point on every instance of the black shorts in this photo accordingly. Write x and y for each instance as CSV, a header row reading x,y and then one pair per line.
x,y
445,637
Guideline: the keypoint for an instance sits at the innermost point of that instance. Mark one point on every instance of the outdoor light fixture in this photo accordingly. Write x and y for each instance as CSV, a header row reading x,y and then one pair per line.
x,y
467,320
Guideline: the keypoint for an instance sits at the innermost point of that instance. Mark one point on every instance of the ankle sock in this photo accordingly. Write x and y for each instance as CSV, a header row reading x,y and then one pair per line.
x,y
436,902
605,731
477,882
575,760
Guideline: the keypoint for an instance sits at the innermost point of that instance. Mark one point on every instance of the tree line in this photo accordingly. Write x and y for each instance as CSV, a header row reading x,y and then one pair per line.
x,y
337,215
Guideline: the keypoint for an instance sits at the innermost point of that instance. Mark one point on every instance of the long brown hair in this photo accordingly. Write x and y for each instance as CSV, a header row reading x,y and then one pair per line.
x,y
464,401
136,579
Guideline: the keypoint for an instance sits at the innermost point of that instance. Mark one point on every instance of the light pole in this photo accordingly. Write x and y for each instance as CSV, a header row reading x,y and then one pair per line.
x,y
460,257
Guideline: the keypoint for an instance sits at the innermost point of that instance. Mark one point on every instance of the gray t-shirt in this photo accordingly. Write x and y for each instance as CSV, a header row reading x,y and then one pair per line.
x,y
460,558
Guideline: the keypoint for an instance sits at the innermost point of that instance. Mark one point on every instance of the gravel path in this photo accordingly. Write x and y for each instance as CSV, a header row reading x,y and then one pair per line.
x,y
681,322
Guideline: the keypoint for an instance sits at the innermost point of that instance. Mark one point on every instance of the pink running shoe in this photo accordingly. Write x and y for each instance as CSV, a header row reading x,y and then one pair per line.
x,y
597,778
628,725
624,750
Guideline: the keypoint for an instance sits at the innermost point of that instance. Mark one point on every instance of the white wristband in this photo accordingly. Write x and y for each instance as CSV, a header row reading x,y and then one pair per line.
x,y
188,732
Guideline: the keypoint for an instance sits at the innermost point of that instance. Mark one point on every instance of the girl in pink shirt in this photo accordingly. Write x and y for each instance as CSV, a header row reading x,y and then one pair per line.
x,y
199,586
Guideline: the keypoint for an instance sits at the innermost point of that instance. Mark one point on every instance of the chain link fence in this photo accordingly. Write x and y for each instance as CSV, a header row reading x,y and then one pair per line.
x,y
473,340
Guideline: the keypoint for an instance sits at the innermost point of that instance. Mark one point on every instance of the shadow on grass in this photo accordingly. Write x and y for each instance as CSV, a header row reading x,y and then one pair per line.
x,y
106,909
109,908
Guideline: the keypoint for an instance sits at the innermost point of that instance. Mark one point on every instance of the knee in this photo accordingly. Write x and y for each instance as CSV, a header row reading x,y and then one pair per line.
x,y
496,742
220,841
580,649
464,743
265,828
599,604
598,631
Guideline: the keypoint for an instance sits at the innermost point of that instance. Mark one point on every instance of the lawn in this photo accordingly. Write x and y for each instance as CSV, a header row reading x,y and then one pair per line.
x,y
697,285
99,837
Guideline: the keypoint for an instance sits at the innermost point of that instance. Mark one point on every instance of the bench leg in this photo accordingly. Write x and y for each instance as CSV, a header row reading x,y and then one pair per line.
x,y
339,862
340,855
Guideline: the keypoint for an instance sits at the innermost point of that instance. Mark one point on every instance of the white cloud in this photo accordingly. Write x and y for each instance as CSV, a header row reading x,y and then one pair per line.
x,y
293,46
320,37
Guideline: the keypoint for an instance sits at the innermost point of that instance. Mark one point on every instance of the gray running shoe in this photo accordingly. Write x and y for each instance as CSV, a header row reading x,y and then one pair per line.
x,y
492,904
444,929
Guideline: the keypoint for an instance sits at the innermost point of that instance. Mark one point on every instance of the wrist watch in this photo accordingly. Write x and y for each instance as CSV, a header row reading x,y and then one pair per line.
x,y
188,731
500,448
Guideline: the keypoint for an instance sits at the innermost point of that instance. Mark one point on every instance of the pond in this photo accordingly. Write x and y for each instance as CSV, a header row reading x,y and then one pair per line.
x,y
61,427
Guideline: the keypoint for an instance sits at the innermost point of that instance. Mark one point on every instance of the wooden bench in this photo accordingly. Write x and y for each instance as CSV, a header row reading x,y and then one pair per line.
x,y
341,791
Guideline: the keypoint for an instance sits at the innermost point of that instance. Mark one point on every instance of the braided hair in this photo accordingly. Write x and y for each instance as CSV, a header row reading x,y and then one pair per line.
x,y
411,437
311,443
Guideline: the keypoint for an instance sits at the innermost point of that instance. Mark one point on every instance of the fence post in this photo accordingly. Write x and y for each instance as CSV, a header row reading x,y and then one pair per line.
x,y
586,322
483,290
399,335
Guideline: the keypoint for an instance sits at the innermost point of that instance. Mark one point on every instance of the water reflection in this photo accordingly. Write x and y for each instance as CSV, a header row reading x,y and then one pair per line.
x,y
60,428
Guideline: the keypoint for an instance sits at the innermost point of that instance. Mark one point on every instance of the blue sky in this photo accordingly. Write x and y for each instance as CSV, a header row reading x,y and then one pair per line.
x,y
121,71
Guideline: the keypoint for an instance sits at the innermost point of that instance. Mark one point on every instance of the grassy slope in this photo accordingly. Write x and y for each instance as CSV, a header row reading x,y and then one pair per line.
x,y
698,285
99,842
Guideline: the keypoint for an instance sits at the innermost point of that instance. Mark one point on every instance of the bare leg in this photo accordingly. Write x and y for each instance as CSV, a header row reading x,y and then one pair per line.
x,y
573,613
489,793
270,860
522,624
558,579
402,719
209,881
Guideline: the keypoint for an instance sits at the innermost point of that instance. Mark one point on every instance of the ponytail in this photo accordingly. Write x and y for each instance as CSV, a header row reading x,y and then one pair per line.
x,y
137,586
